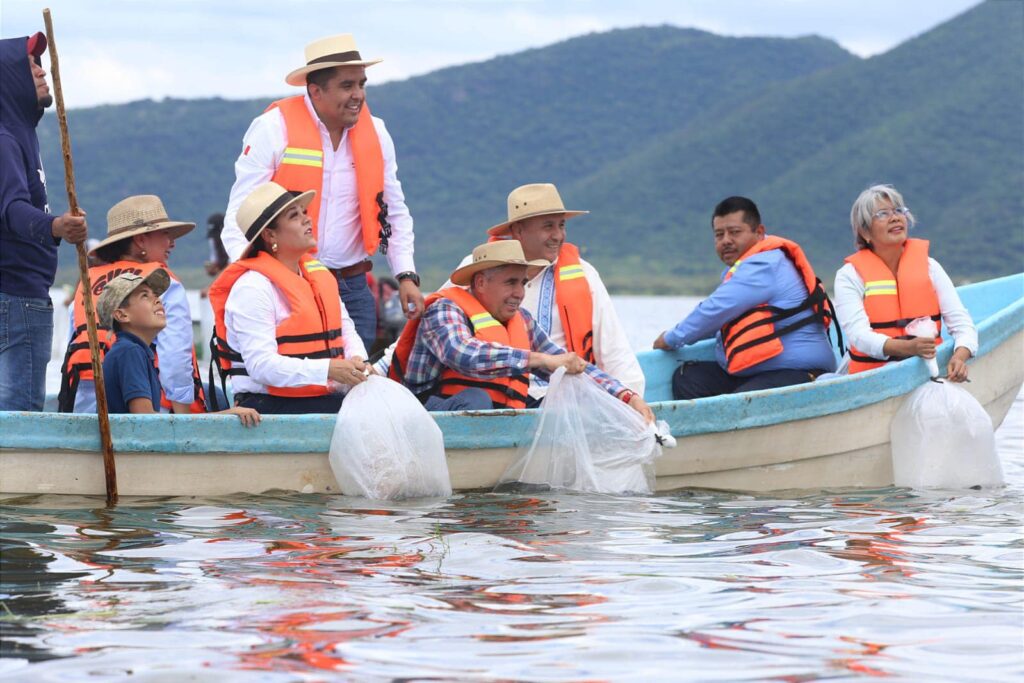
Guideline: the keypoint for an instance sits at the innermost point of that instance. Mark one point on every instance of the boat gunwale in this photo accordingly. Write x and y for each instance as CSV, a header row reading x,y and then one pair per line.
x,y
197,434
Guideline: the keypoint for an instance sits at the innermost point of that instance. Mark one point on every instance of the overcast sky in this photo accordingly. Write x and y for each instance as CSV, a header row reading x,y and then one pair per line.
x,y
120,50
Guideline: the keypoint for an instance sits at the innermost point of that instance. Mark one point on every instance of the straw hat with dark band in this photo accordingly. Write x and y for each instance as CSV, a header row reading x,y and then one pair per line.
x,y
492,255
326,53
138,215
527,201
262,206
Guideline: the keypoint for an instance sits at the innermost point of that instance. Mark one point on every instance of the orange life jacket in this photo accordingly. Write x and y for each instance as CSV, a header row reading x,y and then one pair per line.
x,y
892,301
752,337
505,392
312,330
302,168
574,302
78,359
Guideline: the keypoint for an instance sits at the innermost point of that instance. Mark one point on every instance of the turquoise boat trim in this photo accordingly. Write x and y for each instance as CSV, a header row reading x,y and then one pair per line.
x,y
996,305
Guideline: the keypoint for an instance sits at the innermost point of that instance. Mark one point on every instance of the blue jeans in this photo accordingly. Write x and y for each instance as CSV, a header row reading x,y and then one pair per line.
x,y
26,335
700,379
467,399
360,305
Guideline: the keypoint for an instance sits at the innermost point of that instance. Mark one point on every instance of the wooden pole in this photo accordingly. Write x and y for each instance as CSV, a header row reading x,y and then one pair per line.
x,y
109,471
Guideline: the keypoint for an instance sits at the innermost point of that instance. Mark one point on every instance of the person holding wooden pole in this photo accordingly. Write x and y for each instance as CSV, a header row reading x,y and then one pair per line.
x,y
29,234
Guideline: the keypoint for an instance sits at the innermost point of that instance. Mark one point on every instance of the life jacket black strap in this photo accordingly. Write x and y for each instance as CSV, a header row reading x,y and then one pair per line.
x,y
312,336
508,391
902,322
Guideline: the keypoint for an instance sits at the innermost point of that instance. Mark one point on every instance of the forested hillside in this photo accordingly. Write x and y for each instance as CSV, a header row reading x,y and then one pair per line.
x,y
647,128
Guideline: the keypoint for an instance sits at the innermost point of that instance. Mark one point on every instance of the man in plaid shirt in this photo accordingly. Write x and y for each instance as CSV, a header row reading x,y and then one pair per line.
x,y
445,338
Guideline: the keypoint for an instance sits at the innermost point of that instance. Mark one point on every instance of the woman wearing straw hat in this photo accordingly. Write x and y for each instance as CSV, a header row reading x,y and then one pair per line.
x,y
326,140
280,330
139,240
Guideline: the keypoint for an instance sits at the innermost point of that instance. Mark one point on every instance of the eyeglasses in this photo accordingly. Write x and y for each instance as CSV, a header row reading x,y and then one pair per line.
x,y
884,214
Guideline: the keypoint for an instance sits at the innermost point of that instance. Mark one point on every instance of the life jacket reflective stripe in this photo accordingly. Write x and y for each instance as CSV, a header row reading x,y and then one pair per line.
x,y
311,330
505,392
893,301
752,337
78,359
575,302
302,168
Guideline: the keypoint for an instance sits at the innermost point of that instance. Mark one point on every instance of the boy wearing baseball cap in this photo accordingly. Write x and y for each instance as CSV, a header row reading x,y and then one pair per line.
x,y
130,306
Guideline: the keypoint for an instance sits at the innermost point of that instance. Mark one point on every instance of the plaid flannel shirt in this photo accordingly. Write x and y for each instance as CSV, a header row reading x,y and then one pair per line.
x,y
445,339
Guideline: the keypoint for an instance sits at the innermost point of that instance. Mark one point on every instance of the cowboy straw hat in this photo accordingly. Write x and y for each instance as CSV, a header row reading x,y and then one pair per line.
x,y
262,206
137,215
492,255
329,52
527,201
121,287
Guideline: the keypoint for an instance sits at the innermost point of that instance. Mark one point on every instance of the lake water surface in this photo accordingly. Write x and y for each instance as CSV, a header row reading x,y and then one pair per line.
x,y
692,586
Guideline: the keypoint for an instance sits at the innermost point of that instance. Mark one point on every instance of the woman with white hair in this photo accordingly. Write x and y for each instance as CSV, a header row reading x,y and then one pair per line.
x,y
891,281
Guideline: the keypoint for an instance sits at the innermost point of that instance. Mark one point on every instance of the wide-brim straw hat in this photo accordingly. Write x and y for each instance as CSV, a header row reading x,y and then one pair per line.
x,y
262,206
137,215
326,53
121,287
527,201
492,255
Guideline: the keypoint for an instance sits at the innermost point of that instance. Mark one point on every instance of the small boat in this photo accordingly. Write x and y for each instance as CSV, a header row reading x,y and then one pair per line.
x,y
826,434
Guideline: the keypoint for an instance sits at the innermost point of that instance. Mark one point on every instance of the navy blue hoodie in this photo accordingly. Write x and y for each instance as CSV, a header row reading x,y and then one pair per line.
x,y
28,251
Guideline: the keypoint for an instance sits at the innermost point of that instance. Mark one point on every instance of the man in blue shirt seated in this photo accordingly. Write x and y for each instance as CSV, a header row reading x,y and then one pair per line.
x,y
769,315
130,306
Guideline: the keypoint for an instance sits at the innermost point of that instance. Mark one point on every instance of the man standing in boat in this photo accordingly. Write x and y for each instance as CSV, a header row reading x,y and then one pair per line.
x,y
476,348
327,141
768,316
29,234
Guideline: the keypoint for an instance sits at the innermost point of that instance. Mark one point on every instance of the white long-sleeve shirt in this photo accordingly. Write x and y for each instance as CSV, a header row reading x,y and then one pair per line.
x,y
849,302
173,349
612,352
252,312
339,230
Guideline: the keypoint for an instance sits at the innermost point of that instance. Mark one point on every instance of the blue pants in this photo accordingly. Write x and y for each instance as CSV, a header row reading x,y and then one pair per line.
x,y
266,404
705,378
26,335
467,399
360,305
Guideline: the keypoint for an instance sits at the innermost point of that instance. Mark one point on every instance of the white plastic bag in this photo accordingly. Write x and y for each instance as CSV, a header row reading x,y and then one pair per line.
x,y
942,438
925,327
386,446
587,440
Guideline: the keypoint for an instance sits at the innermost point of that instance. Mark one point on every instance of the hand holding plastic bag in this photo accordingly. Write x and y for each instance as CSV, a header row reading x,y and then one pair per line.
x,y
588,440
943,438
926,329
386,446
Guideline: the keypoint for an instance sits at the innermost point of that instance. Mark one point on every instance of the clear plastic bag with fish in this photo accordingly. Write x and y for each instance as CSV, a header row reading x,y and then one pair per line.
x,y
943,438
386,445
587,440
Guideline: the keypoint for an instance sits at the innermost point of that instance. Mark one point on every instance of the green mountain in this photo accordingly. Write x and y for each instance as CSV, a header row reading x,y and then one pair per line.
x,y
648,128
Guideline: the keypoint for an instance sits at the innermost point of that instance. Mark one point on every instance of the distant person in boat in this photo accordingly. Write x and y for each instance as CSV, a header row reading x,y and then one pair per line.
x,y
476,348
281,331
140,238
889,282
325,140
29,234
130,306
218,257
769,316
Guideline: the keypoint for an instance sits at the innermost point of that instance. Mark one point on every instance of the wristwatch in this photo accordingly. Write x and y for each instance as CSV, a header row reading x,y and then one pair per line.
x,y
409,275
